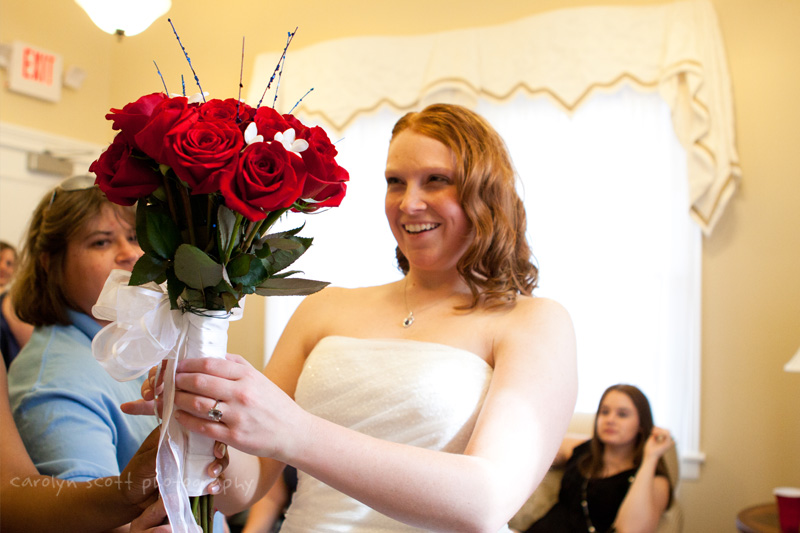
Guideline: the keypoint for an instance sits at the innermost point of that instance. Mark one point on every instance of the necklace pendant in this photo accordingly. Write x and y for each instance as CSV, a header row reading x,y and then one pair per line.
x,y
407,321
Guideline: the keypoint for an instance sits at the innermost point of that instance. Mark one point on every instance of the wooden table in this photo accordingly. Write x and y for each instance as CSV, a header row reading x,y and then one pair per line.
x,y
759,519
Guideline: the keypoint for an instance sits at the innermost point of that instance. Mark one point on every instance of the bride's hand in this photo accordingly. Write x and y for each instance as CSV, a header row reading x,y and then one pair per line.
x,y
256,414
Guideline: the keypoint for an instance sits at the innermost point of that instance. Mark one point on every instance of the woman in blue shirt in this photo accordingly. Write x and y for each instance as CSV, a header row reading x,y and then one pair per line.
x,y
65,405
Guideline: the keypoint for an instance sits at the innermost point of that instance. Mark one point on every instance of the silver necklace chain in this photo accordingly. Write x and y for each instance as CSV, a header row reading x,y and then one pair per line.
x,y
408,321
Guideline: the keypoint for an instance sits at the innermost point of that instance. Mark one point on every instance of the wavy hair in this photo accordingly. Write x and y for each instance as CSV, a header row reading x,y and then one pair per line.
x,y
497,265
38,293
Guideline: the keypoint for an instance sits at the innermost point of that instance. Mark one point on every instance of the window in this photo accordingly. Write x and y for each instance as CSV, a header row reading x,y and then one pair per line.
x,y
606,195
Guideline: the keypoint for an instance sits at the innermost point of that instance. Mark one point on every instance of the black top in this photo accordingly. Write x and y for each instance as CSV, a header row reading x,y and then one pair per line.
x,y
604,497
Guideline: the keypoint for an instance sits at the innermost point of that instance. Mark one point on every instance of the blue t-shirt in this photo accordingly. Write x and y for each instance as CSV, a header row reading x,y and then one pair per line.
x,y
66,406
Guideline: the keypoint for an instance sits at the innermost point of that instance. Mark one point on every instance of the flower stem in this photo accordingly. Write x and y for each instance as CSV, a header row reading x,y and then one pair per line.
x,y
262,226
236,226
210,239
254,229
170,199
273,217
187,211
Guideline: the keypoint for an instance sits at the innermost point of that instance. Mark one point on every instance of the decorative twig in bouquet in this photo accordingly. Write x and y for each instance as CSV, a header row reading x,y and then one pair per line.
x,y
211,178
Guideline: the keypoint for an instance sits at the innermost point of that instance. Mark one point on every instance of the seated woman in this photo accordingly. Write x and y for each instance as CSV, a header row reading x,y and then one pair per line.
x,y
8,264
617,480
14,333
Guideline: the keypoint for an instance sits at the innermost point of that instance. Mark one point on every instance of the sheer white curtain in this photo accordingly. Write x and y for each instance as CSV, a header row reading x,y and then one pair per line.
x,y
605,191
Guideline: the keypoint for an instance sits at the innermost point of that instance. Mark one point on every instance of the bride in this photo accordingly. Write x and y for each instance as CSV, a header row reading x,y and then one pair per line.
x,y
436,402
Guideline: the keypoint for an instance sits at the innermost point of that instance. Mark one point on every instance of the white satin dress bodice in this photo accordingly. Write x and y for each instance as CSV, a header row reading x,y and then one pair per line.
x,y
417,393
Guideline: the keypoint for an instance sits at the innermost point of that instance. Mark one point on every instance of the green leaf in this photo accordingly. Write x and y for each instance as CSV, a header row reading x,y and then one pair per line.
x,y
286,233
160,194
283,244
230,301
163,234
226,220
141,227
194,298
261,251
174,288
239,265
195,268
286,273
255,274
223,287
290,287
157,233
281,259
148,268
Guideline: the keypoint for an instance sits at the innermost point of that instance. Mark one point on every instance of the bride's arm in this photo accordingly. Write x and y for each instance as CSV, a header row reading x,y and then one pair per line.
x,y
517,434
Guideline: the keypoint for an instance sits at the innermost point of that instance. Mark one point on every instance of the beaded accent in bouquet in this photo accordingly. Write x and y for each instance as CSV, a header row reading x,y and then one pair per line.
x,y
210,178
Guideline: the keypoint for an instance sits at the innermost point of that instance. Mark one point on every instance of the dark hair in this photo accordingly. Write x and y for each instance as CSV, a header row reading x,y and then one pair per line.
x,y
38,293
497,265
591,464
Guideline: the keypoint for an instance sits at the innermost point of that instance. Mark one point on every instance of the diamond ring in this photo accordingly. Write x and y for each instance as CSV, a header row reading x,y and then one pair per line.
x,y
214,413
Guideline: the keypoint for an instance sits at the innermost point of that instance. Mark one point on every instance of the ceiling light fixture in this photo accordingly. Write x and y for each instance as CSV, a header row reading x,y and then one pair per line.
x,y
124,17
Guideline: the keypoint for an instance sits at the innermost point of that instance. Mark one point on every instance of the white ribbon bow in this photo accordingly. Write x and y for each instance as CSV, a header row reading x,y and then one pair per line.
x,y
143,332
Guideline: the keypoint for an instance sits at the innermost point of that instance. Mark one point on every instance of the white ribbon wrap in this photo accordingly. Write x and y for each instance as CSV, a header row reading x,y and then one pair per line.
x,y
143,332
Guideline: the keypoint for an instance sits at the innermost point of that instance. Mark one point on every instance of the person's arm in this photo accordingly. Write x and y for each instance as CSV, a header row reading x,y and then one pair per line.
x,y
648,495
33,502
568,445
524,417
22,331
265,512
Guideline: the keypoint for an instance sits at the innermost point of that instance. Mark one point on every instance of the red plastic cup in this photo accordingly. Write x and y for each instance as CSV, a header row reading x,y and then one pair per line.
x,y
788,508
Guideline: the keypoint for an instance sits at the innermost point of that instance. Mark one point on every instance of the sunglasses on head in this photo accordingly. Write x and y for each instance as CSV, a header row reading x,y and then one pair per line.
x,y
81,182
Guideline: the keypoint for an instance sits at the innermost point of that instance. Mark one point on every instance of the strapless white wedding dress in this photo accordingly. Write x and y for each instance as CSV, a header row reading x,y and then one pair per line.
x,y
417,393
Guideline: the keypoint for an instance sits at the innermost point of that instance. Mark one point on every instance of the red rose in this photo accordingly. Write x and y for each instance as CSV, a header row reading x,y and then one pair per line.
x,y
300,129
205,154
325,181
268,178
270,122
132,118
123,175
228,110
170,116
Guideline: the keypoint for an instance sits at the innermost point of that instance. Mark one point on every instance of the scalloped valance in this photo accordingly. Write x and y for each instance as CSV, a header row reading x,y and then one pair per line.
x,y
675,49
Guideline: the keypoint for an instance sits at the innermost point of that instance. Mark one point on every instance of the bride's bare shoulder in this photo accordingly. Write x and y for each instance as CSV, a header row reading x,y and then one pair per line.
x,y
533,310
341,298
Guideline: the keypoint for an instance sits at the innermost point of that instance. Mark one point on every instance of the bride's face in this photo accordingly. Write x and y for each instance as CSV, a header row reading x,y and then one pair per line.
x,y
422,204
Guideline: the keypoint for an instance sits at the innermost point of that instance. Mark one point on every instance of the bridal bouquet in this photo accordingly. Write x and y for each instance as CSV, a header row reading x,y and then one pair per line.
x,y
210,178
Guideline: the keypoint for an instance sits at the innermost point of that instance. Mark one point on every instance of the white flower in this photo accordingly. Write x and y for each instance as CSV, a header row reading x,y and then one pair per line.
x,y
196,98
290,143
251,134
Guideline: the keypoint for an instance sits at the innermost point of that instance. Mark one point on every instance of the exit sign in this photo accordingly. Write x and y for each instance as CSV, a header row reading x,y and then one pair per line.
x,y
35,72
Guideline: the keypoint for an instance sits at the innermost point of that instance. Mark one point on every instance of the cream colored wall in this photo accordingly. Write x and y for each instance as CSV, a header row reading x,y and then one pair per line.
x,y
751,287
